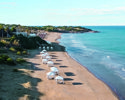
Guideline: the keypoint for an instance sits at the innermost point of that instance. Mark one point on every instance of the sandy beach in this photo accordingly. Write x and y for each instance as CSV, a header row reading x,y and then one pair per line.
x,y
80,84
30,81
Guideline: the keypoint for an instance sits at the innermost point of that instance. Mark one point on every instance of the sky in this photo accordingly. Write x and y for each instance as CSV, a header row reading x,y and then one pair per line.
x,y
62,12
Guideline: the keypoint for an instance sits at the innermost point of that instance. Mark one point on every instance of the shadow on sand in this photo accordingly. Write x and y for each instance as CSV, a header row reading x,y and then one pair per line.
x,y
69,74
16,83
77,83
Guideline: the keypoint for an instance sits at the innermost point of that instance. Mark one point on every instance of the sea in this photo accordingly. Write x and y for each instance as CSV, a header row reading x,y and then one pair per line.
x,y
103,54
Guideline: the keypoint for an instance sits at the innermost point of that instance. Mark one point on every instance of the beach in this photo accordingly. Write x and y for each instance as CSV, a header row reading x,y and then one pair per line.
x,y
30,82
80,84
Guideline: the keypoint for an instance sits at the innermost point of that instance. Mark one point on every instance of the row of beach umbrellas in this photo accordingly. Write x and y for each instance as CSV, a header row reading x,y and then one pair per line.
x,y
54,72
48,48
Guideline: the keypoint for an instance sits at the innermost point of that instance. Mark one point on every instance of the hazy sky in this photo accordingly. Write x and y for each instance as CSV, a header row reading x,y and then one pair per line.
x,y
62,12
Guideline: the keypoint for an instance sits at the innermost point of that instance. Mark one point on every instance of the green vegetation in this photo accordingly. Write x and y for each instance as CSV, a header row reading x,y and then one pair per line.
x,y
8,29
15,70
30,42
24,52
5,59
12,49
18,53
2,44
10,61
20,60
3,50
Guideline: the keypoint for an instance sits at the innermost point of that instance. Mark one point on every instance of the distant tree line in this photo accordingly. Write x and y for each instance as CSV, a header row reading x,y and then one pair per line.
x,y
8,29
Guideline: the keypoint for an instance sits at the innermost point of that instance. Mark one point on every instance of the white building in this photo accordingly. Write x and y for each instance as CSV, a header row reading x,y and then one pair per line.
x,y
23,33
32,35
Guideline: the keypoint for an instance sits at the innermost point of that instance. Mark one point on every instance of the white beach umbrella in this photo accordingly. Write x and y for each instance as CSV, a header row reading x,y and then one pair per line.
x,y
46,54
48,57
47,48
44,61
50,75
42,52
51,48
39,47
59,79
43,56
44,48
54,69
50,63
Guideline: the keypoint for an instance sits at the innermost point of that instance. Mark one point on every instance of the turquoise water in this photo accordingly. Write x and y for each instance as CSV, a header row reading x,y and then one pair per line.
x,y
102,53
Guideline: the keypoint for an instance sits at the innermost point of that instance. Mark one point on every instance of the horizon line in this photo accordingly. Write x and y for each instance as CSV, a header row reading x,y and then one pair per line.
x,y
65,25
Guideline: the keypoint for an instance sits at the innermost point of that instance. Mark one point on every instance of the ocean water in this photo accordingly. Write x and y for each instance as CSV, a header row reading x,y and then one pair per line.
x,y
103,54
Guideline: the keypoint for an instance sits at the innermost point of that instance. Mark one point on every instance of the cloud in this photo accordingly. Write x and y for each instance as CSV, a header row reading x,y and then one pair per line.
x,y
120,8
7,3
93,11
79,12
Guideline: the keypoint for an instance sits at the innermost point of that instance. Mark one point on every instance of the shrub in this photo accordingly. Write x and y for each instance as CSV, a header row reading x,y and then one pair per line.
x,y
15,70
20,60
3,51
1,60
5,42
18,48
24,52
12,49
18,53
16,43
10,61
2,44
5,57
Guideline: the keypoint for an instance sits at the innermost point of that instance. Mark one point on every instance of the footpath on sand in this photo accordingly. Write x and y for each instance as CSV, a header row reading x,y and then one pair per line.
x,y
80,84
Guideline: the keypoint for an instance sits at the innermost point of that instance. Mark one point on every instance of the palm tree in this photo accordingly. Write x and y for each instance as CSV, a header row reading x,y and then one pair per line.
x,y
2,29
7,30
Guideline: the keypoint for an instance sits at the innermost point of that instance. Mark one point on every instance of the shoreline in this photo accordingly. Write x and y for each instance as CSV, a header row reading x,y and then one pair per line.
x,y
93,75
66,53
112,93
